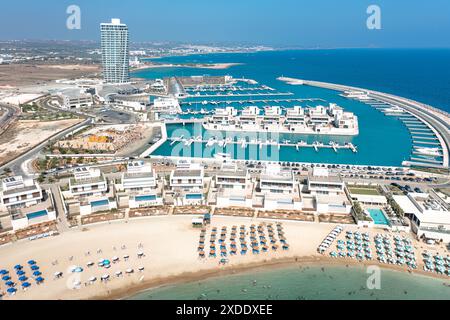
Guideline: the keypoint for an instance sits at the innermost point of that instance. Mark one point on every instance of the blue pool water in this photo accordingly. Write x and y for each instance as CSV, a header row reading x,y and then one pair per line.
x,y
382,140
145,198
99,203
37,214
194,196
378,217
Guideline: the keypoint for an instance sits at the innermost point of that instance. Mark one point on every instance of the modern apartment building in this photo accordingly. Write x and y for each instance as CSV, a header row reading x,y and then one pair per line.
x,y
115,52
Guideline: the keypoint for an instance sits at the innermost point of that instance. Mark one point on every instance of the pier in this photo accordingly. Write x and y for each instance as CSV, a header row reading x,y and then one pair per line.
x,y
244,143
436,120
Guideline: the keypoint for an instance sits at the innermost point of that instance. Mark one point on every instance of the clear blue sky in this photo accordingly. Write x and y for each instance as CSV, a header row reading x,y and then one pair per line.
x,y
307,23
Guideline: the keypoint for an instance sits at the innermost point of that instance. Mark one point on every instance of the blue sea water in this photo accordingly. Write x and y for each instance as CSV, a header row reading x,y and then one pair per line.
x,y
419,74
296,282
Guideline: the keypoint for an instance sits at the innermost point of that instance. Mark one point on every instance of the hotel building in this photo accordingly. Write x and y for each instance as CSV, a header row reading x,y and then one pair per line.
x,y
139,187
115,52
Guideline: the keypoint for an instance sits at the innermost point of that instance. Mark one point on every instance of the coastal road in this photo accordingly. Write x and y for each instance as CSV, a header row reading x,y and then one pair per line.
x,y
17,165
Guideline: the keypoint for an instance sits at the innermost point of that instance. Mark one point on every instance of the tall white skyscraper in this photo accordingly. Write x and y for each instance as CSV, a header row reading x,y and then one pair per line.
x,y
115,52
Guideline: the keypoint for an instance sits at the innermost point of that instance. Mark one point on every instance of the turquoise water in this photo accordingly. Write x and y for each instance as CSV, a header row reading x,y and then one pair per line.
x,y
99,203
146,198
378,217
37,214
194,196
294,283
417,74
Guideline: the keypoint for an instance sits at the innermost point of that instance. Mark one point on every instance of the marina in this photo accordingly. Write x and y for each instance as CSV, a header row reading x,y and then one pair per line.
x,y
243,143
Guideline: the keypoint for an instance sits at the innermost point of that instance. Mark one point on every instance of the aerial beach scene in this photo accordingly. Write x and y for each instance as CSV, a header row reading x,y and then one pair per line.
x,y
175,161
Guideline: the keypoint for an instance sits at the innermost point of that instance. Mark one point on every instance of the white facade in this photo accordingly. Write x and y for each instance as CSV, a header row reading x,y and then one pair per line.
x,y
166,105
17,193
279,189
234,187
115,52
88,182
75,99
429,215
139,186
187,182
328,191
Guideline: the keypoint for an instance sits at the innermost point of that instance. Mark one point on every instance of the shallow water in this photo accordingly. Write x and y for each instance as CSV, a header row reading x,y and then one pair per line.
x,y
294,283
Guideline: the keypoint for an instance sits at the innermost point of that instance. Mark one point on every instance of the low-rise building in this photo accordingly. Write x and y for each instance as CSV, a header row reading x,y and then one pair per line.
x,y
429,215
24,203
88,192
75,99
139,187
328,191
278,190
234,187
187,183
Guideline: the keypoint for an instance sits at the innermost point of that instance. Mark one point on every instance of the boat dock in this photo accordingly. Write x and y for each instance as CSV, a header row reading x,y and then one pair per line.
x,y
245,143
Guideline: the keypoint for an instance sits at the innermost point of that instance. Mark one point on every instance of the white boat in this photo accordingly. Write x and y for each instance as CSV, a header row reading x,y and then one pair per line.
x,y
429,151
222,156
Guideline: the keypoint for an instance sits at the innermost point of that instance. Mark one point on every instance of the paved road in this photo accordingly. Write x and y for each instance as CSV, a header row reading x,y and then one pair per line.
x,y
16,165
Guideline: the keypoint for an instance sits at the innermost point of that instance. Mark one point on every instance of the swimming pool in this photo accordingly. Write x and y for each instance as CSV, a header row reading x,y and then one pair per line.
x,y
378,217
37,214
145,198
194,196
99,203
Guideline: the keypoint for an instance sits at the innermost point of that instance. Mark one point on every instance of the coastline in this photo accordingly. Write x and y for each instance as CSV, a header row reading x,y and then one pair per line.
x,y
273,264
212,66
169,259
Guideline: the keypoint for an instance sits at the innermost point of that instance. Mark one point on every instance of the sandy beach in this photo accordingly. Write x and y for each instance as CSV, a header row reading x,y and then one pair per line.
x,y
170,247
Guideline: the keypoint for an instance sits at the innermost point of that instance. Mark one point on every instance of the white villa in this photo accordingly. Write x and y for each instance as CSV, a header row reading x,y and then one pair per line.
x,y
277,190
328,191
139,187
187,184
24,203
234,187
88,193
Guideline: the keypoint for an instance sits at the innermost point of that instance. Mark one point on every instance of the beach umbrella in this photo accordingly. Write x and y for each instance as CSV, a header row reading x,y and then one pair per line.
x,y
106,262
10,283
141,269
118,273
105,276
26,284
92,279
90,264
23,278
18,267
6,278
3,272
34,267
20,273
39,279
37,273
31,262
11,290
129,271
78,270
